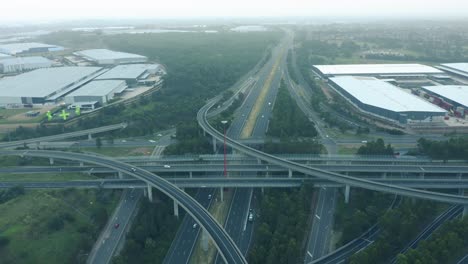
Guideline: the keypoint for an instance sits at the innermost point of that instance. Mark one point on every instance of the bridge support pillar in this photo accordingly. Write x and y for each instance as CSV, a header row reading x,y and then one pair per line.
x,y
38,144
90,137
190,175
204,240
51,161
221,194
465,210
120,174
81,164
346,196
384,175
289,173
150,193
176,209
259,161
421,175
461,192
214,145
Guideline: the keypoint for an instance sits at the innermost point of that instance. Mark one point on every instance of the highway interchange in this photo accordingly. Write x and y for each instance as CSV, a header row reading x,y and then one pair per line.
x,y
233,241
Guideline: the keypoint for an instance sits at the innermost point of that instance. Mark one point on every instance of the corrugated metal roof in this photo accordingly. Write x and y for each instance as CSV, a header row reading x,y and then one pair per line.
x,y
372,91
97,88
463,67
128,71
25,60
456,93
350,69
43,82
15,48
105,54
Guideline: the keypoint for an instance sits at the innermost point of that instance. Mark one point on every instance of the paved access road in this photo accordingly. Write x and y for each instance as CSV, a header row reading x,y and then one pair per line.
x,y
116,227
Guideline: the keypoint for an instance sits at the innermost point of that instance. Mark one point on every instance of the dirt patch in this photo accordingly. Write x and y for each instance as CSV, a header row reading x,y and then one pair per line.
x,y
140,151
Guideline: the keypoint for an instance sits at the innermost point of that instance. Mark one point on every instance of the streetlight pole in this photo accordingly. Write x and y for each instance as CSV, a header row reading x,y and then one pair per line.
x,y
224,122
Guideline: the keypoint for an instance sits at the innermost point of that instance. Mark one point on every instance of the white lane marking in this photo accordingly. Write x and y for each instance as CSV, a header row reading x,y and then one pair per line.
x,y
308,253
317,216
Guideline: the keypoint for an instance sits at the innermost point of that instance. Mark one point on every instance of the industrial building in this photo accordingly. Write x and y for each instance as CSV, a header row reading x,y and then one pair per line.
x,y
380,98
460,69
28,48
109,57
453,98
19,64
96,91
133,74
44,85
385,70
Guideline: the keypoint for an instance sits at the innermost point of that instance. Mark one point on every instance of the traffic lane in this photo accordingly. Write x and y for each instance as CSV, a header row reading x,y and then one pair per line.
x,y
181,248
117,226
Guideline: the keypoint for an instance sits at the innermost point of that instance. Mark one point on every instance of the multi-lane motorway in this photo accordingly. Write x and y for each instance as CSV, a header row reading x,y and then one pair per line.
x,y
227,248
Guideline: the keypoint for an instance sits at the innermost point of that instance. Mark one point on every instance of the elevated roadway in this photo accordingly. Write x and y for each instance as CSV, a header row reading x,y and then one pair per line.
x,y
226,247
347,180
86,132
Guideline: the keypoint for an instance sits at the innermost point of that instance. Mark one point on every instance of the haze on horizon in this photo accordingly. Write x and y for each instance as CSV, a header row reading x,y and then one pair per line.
x,y
50,10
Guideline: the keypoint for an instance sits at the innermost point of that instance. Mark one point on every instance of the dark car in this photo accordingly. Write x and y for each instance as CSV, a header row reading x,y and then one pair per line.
x,y
116,225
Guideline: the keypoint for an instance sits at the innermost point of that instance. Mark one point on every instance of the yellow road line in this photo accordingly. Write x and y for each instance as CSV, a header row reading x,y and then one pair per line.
x,y
252,118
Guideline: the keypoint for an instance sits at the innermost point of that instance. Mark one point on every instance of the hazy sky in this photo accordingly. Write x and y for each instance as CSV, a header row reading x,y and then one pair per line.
x,y
19,10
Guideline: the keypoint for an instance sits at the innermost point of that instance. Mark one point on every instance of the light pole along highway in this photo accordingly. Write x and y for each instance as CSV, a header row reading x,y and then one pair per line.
x,y
225,245
344,179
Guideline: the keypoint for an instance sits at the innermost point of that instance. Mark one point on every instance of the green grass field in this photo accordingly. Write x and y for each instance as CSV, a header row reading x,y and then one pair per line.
x,y
25,221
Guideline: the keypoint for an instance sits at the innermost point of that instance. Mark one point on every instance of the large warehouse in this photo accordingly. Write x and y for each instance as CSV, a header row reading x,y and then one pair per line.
x,y
375,69
44,85
108,57
96,91
454,96
19,64
456,68
380,98
131,73
28,48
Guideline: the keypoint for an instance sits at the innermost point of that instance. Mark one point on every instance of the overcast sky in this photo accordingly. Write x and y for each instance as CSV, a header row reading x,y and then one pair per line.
x,y
26,10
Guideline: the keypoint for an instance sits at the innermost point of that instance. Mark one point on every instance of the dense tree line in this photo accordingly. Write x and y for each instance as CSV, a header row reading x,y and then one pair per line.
x,y
280,226
398,227
446,245
376,148
151,234
454,148
199,66
362,211
10,193
287,119
292,146
190,140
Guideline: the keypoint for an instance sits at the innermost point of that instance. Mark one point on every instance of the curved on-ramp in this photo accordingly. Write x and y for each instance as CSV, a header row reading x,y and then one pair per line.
x,y
351,181
226,246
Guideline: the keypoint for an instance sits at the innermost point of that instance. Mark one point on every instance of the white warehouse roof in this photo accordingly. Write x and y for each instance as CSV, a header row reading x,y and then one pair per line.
x,y
460,68
99,88
375,92
44,82
107,55
358,69
128,71
25,60
455,93
16,48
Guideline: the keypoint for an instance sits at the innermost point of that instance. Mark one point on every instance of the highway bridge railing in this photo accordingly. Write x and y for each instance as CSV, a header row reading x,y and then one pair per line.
x,y
351,181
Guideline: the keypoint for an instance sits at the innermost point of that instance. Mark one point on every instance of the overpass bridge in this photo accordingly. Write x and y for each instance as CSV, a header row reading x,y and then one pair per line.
x,y
223,242
301,168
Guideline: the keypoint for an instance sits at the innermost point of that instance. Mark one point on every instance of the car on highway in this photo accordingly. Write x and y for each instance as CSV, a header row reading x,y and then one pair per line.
x,y
209,196
116,225
263,116
251,216
195,226
133,169
152,141
167,166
